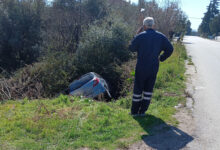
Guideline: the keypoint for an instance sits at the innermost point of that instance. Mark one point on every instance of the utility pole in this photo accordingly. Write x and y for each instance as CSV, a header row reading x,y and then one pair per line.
x,y
141,7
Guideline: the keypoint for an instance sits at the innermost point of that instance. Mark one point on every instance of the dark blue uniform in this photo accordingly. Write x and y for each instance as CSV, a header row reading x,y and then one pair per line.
x,y
149,45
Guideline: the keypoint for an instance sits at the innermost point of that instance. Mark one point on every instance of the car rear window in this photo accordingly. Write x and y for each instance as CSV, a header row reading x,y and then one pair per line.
x,y
81,81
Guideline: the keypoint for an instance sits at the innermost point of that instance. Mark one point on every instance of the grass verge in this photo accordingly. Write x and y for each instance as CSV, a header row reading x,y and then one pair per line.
x,y
73,122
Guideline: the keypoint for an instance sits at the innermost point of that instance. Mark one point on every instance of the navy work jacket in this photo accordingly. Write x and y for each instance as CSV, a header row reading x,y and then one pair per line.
x,y
149,45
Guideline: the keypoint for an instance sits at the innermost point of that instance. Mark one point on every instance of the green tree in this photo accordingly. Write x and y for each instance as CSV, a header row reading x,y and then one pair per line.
x,y
20,30
212,11
181,25
204,26
188,28
214,8
215,25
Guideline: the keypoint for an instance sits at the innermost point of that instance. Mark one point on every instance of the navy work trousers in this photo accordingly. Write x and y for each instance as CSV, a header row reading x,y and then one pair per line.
x,y
143,90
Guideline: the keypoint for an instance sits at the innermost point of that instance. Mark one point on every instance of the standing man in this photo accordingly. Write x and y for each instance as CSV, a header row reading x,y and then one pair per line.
x,y
148,44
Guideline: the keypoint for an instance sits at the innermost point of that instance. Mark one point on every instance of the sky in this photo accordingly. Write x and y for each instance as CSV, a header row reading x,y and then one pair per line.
x,y
194,9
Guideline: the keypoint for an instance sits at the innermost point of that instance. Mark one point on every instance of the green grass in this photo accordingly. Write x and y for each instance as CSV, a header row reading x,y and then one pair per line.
x,y
73,122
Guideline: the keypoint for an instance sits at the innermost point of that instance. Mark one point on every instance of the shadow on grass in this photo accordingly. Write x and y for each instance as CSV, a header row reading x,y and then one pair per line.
x,y
161,135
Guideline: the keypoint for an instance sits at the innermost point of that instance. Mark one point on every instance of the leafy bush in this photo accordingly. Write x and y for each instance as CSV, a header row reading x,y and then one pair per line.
x,y
56,73
103,49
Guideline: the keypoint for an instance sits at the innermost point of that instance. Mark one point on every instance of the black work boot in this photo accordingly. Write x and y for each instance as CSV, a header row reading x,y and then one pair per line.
x,y
144,106
135,107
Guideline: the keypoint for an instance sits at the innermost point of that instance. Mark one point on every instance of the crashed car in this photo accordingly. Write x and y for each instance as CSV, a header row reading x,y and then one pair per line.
x,y
89,85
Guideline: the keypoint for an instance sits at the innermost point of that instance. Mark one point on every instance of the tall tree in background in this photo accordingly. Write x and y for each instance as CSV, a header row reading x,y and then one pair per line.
x,y
212,11
188,28
204,26
215,25
214,8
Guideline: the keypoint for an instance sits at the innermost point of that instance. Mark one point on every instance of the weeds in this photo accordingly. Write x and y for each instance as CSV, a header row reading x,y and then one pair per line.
x,y
190,62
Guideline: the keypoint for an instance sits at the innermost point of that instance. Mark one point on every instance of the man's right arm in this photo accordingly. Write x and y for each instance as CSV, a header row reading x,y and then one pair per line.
x,y
167,48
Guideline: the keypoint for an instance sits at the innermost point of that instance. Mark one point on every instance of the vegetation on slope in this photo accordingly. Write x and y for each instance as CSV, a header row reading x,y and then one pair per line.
x,y
73,122
45,45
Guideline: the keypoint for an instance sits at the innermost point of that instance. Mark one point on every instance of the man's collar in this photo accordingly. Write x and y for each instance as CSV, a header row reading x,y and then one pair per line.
x,y
150,29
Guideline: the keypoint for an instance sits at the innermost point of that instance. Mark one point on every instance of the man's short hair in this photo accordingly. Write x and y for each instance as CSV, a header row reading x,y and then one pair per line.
x,y
148,22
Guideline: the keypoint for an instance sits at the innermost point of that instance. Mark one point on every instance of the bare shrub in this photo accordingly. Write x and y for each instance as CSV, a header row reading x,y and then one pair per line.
x,y
26,86
168,17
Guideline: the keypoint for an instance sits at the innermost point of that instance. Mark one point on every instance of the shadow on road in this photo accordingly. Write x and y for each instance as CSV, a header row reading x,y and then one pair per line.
x,y
162,136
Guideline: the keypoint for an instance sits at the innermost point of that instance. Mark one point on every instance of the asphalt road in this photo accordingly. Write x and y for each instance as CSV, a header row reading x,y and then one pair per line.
x,y
206,58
